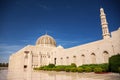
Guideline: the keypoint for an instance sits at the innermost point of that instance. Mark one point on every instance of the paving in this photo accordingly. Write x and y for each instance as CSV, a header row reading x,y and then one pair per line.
x,y
52,75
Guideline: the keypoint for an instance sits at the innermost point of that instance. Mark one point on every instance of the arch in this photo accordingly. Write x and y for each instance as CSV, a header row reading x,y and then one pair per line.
x,y
55,60
67,57
61,60
25,60
67,60
83,59
26,56
74,59
105,56
74,56
93,58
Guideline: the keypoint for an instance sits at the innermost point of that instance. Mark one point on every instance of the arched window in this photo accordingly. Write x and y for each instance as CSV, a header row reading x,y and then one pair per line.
x,y
67,57
83,59
61,58
93,58
74,56
26,56
74,59
55,60
61,61
67,60
105,56
25,60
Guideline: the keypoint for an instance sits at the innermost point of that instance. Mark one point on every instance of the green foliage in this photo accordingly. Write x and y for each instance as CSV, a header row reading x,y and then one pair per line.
x,y
119,69
49,69
51,65
41,68
73,69
73,65
45,68
80,69
98,70
114,63
88,69
91,67
67,69
60,68
105,67
36,68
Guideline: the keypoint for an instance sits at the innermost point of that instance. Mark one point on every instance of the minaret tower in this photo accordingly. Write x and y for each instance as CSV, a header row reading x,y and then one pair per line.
x,y
104,24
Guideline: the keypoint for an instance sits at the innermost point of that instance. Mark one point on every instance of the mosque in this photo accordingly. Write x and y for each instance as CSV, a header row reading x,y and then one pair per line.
x,y
46,52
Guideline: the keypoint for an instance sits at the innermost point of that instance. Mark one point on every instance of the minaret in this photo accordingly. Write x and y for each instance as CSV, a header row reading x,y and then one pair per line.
x,y
104,25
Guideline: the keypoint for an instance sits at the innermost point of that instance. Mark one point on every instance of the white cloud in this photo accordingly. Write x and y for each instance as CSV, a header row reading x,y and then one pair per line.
x,y
65,43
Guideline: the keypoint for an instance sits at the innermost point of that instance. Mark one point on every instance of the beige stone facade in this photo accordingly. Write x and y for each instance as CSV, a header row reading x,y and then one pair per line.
x,y
45,51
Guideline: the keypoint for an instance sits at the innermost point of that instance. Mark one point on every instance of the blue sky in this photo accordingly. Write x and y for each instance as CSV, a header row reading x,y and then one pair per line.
x,y
69,22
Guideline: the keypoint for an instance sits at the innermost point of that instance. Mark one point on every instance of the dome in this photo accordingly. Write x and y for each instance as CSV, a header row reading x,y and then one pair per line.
x,y
46,40
60,47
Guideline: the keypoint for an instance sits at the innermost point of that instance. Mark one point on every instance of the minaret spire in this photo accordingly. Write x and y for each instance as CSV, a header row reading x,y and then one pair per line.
x,y
104,24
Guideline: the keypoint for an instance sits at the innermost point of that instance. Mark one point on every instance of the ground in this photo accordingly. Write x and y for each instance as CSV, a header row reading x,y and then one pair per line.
x,y
52,75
